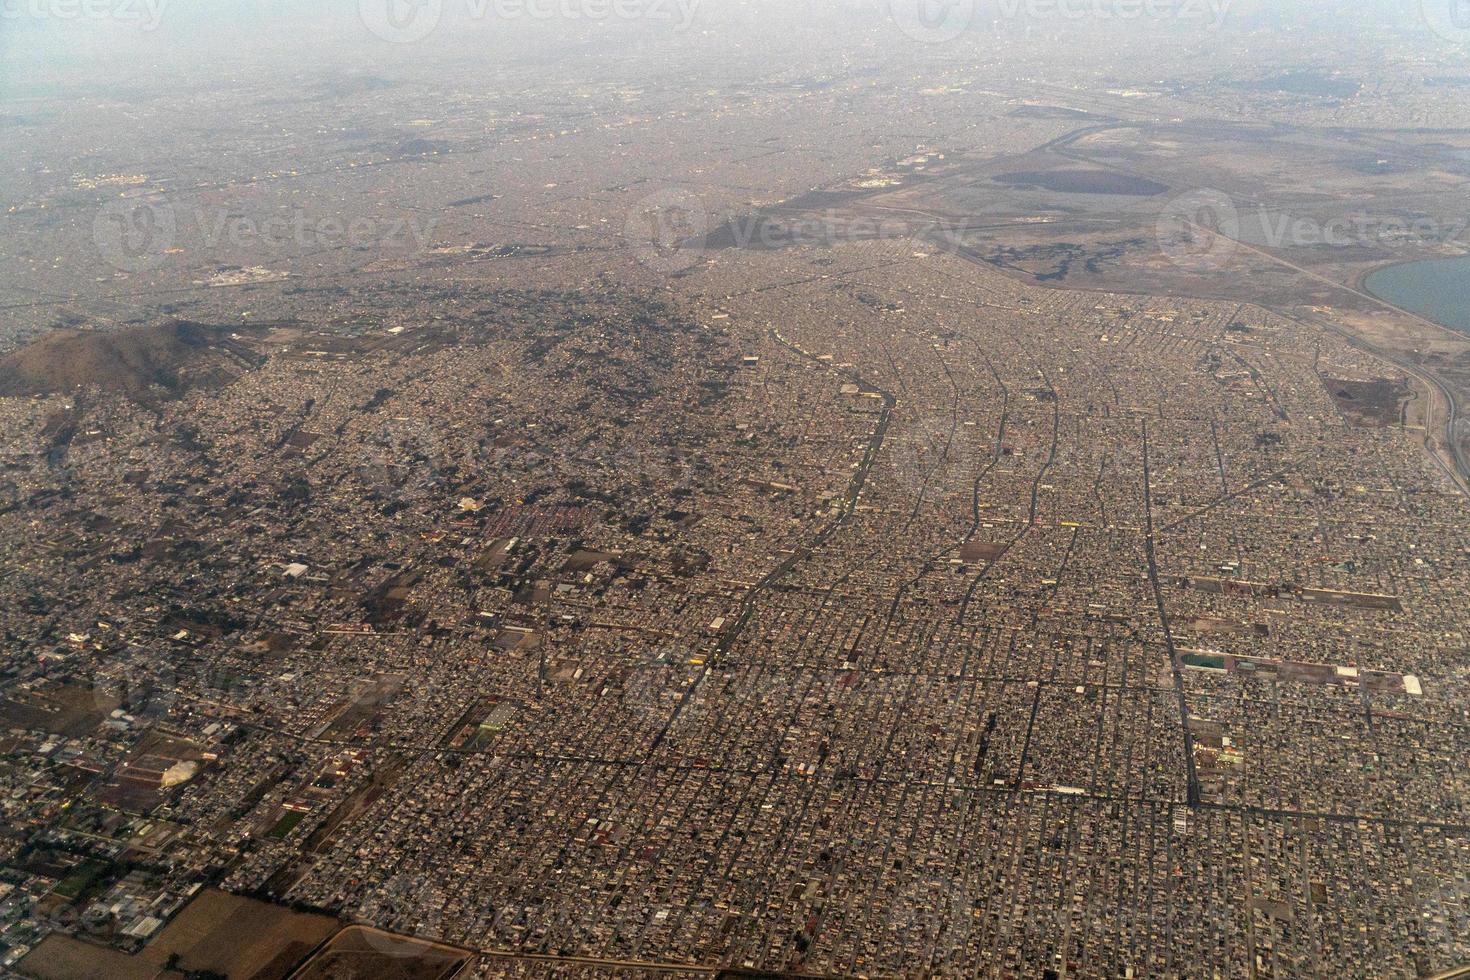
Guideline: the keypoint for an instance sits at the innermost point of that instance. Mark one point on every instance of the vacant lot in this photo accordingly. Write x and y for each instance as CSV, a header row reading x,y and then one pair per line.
x,y
362,953
238,938
71,708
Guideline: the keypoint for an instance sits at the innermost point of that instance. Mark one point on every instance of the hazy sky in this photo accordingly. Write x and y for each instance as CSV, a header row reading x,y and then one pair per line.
x,y
125,43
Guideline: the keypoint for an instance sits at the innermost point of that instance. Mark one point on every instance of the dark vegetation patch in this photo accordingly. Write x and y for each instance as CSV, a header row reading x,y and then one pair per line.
x,y
1309,83
1056,262
1370,404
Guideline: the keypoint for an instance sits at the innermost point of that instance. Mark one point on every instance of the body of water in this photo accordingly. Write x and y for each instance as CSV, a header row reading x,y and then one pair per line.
x,y
1435,288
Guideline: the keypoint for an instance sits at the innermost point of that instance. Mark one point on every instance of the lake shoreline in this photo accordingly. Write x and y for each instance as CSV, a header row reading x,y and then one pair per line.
x,y
1437,289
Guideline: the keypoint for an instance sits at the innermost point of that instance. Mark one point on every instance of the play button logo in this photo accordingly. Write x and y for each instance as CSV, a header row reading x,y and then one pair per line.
x,y
933,21
401,21
1450,19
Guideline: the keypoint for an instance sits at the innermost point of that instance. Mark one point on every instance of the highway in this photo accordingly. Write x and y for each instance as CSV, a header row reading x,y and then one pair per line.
x,y
1459,472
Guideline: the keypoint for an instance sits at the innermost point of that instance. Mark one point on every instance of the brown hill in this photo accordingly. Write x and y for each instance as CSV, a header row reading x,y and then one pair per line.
x,y
150,361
